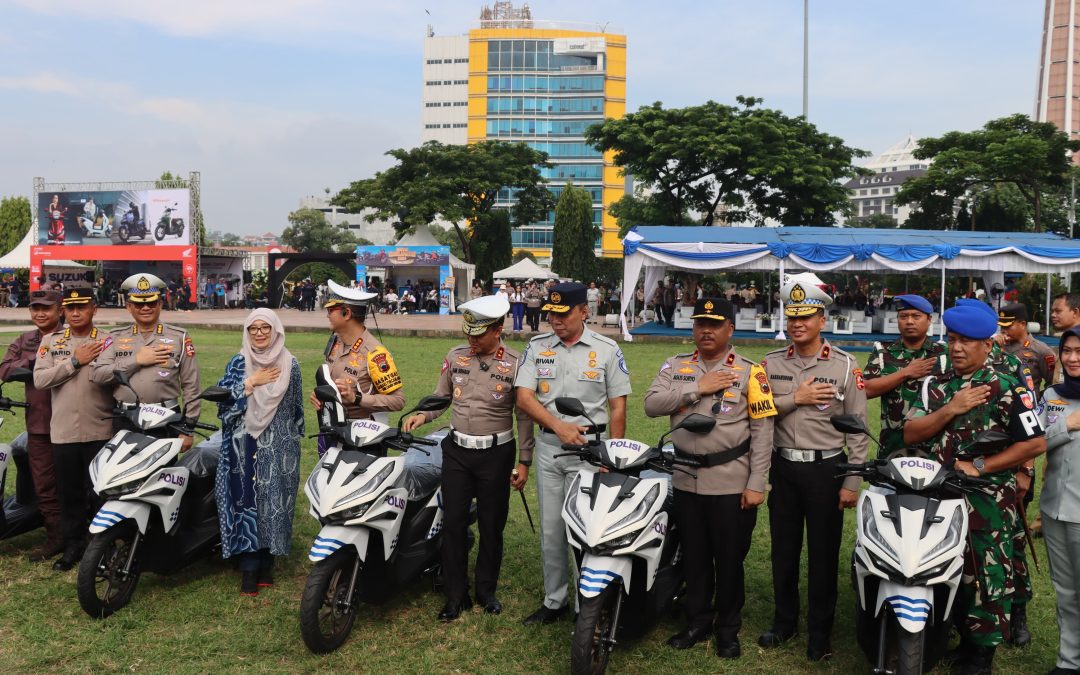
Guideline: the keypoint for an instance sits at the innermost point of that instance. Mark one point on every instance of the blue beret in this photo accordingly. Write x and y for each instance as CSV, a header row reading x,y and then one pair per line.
x,y
914,302
970,320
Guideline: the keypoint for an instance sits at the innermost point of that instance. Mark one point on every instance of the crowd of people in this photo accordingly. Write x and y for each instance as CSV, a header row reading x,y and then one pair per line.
x,y
773,440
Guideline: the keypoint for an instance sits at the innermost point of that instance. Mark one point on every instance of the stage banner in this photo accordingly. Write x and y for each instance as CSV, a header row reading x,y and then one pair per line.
x,y
114,218
403,256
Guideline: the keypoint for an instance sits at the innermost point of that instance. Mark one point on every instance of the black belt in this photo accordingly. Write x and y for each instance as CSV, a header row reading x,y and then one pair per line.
x,y
599,428
715,458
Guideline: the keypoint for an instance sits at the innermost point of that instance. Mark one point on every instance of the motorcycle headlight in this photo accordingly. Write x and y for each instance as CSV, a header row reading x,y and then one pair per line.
x,y
146,463
615,544
123,489
313,485
354,512
368,486
952,537
870,529
638,513
571,502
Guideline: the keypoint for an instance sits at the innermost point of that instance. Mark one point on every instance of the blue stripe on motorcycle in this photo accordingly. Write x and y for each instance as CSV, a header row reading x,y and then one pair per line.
x,y
909,617
102,523
106,521
911,601
598,573
326,540
588,587
318,548
118,516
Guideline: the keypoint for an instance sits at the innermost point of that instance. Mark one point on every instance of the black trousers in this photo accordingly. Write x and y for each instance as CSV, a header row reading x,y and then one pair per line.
x,y
78,502
485,476
532,317
805,493
669,315
715,535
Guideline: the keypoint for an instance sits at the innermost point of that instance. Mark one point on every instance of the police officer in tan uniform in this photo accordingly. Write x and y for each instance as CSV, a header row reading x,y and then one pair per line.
x,y
158,359
362,368
80,414
1035,354
716,507
479,452
811,381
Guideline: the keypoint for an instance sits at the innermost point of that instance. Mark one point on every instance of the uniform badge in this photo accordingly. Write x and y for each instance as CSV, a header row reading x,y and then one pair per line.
x,y
1027,399
464,361
686,370
547,352
380,361
164,373
543,372
500,387
503,370
664,366
726,407
498,397
1050,361
459,379
356,345
1050,419
825,351
859,382
43,351
797,293
189,348
445,365
457,392
591,374
823,406
730,360
592,363
622,363
730,394
1057,401
544,387
592,355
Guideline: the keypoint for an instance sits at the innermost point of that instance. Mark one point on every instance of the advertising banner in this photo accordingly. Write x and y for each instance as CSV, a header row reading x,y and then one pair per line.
x,y
115,218
185,255
403,256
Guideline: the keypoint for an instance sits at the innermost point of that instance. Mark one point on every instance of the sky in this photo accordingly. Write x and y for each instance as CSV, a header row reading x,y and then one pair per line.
x,y
272,100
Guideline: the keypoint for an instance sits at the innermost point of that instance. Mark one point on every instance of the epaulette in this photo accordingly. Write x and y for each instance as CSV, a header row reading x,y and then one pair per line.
x,y
541,336
782,350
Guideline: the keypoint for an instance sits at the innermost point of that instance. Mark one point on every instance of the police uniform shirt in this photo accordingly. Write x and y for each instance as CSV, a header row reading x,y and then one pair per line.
x,y
154,383
80,408
807,427
1036,356
368,365
744,412
484,398
592,370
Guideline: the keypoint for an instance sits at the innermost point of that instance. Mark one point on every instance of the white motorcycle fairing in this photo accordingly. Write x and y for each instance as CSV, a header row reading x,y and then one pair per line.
x,y
115,511
5,453
165,490
118,463
911,605
600,571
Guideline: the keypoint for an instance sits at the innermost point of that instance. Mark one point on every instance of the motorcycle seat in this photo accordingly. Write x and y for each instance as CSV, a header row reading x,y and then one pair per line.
x,y
202,460
423,473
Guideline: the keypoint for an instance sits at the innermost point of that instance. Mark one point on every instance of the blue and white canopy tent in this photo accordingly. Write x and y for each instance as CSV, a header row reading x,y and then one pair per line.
x,y
709,250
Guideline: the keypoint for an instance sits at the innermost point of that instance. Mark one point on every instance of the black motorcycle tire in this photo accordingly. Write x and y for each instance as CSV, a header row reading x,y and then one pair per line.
x,y
905,651
323,626
588,652
159,232
105,556
122,232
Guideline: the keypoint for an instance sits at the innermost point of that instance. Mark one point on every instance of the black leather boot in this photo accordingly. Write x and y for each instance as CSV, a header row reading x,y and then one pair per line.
x,y
1021,636
980,661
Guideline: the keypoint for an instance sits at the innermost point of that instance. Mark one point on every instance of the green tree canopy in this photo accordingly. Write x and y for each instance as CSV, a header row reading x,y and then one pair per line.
x,y
878,220
521,254
14,222
575,236
309,231
757,162
492,244
1015,150
458,182
448,237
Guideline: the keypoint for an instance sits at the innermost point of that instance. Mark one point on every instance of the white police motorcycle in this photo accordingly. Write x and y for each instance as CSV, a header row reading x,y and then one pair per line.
x,y
911,539
381,516
160,514
19,514
617,520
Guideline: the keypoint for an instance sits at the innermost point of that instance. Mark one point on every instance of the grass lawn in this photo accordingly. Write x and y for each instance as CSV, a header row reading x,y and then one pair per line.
x,y
197,621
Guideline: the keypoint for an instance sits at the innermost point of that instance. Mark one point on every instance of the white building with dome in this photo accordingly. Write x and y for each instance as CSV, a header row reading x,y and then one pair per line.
x,y
876,193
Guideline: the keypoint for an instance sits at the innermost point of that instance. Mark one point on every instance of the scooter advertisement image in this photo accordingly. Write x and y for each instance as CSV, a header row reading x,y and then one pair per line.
x,y
114,217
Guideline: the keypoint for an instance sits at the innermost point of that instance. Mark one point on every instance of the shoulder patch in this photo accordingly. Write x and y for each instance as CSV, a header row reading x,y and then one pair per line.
x,y
759,394
541,336
622,361
859,382
384,374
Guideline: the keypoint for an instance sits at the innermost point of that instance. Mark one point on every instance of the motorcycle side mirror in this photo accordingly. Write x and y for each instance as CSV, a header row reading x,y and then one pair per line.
x,y
696,423
849,424
20,375
123,379
432,403
215,394
989,442
571,407
326,393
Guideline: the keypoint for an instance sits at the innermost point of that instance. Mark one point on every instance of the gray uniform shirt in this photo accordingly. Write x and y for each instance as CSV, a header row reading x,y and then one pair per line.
x,y
80,408
1060,498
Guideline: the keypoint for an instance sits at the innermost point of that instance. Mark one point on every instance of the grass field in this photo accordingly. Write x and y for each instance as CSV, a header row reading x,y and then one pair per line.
x,y
196,621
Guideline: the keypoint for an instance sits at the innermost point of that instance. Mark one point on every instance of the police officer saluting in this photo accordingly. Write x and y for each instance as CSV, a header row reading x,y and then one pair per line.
x,y
571,361
970,397
811,381
895,371
158,359
479,451
716,509
80,414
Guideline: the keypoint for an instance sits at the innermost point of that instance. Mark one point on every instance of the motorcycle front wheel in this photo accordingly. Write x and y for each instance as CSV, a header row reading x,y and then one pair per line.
x,y
102,584
159,232
122,232
326,611
590,648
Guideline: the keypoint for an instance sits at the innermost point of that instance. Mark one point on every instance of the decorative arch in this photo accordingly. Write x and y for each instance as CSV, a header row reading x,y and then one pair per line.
x,y
346,262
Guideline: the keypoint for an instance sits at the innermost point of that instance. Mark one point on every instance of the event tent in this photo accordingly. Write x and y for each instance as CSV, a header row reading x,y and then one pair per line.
x,y
18,258
708,250
462,271
525,269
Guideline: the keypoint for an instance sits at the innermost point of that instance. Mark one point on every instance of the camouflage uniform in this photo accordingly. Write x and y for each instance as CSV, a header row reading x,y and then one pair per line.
x,y
895,404
988,587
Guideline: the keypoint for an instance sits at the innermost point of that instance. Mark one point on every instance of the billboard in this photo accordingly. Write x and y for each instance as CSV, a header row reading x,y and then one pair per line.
x,y
403,256
114,218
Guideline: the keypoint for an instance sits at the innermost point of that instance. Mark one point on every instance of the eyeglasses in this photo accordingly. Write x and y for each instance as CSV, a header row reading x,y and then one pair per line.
x,y
260,330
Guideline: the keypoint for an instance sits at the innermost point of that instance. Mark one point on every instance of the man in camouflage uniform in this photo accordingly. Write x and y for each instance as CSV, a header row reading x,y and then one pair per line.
x,y
895,371
973,396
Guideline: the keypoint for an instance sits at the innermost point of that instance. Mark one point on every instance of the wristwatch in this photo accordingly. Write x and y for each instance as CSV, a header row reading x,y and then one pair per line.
x,y
76,363
1028,471
980,465
525,462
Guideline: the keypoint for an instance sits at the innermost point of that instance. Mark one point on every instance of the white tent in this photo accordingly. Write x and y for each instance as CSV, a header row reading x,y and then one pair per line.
x,y
19,257
525,269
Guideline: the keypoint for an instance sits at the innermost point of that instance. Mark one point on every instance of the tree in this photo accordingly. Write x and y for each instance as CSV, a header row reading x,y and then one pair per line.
x,y
756,162
492,243
877,220
309,232
448,237
14,222
642,209
230,239
522,254
458,182
1015,150
575,235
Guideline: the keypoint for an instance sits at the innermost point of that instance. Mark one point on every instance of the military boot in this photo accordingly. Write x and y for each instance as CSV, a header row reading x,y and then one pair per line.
x,y
1021,636
980,661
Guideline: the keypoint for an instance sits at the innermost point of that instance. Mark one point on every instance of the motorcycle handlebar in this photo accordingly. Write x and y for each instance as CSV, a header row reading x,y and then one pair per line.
x,y
424,441
205,427
853,468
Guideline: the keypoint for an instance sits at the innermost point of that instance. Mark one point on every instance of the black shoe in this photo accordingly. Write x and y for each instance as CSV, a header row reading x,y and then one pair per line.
x,y
689,637
980,662
249,584
491,605
728,650
818,651
1063,671
774,637
1018,626
49,549
453,609
70,559
545,615
265,578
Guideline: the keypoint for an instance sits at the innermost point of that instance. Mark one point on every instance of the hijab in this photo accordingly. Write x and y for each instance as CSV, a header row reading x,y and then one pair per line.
x,y
264,400
1070,386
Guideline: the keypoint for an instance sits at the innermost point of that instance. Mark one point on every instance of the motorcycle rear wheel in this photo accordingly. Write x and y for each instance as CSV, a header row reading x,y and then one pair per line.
x,y
589,650
102,586
324,623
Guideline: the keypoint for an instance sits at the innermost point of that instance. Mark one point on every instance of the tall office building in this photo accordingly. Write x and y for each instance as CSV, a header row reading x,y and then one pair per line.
x,y
1058,98
541,83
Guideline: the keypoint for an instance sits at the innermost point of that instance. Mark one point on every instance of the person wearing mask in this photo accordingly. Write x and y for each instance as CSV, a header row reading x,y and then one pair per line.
x,y
258,473
362,368
81,413
479,452
1060,499
23,352
572,361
